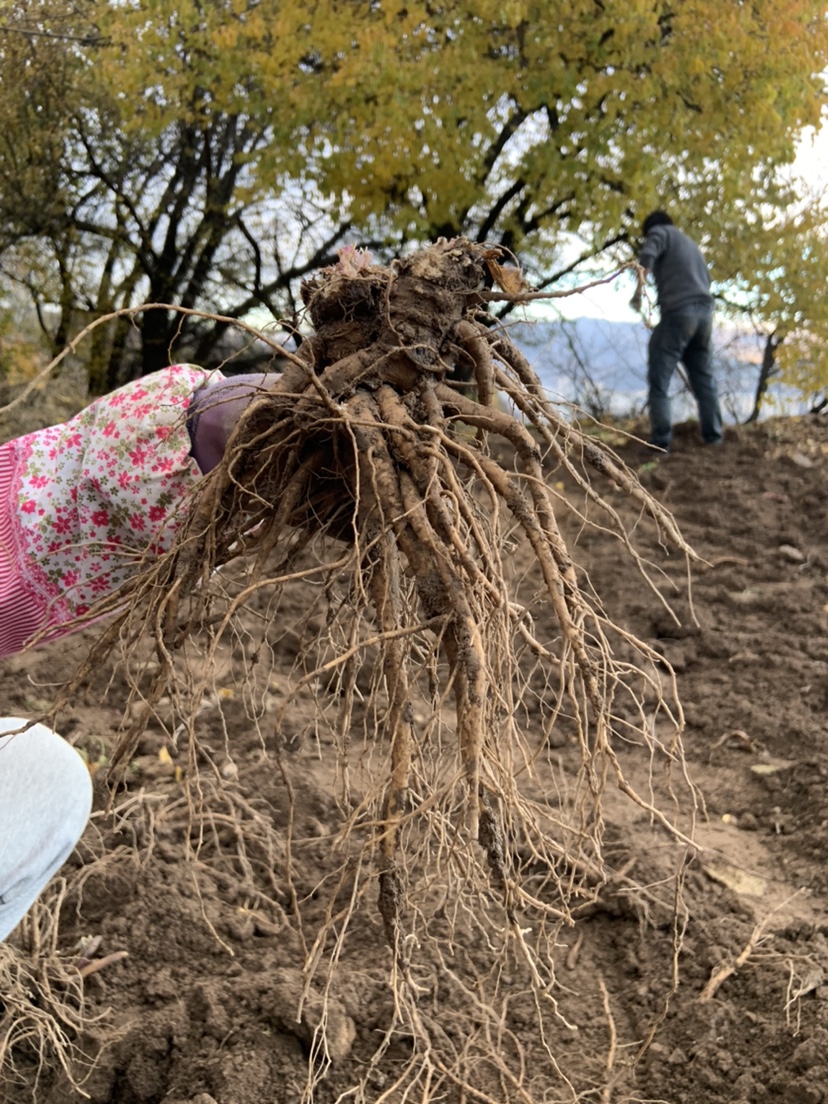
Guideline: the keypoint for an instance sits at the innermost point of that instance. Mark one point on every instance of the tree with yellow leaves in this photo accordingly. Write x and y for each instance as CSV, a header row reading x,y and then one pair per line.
x,y
212,152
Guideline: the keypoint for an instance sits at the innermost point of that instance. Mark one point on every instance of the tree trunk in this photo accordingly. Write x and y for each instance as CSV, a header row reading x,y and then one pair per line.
x,y
767,371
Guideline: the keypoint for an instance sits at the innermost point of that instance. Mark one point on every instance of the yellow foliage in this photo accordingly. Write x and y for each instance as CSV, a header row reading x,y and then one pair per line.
x,y
510,119
401,107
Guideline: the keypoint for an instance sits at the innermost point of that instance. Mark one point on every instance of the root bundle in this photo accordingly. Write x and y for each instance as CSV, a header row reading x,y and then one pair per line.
x,y
367,438
401,459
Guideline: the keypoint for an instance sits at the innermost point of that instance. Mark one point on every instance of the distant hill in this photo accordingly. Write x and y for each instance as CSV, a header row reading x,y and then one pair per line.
x,y
590,361
601,365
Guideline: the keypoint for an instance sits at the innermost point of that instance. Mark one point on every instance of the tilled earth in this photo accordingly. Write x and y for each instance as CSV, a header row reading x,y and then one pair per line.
x,y
208,1007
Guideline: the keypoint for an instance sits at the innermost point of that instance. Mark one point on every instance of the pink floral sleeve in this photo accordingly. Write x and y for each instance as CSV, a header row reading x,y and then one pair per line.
x,y
93,496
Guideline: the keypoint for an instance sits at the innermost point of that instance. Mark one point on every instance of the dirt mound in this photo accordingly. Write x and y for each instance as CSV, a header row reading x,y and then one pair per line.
x,y
687,975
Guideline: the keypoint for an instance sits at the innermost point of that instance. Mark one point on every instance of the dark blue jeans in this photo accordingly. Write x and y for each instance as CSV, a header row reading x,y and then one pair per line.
x,y
683,335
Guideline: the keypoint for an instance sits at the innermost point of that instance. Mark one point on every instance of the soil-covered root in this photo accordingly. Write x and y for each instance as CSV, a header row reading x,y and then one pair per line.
x,y
404,494
43,1008
363,439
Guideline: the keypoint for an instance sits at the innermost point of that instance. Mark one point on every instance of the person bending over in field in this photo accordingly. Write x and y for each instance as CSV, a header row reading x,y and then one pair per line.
x,y
684,332
82,504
